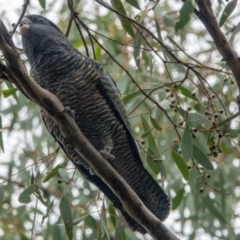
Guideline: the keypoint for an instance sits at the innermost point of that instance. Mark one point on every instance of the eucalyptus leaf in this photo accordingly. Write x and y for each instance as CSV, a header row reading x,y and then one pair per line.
x,y
195,119
202,158
181,165
186,144
177,199
24,196
52,173
66,215
185,15
227,11
42,3
117,4
134,3
1,194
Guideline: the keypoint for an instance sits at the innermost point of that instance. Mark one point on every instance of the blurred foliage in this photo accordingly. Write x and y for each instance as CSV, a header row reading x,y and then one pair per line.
x,y
180,98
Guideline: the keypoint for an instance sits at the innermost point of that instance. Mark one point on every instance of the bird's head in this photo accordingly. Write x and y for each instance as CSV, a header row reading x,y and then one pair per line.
x,y
41,36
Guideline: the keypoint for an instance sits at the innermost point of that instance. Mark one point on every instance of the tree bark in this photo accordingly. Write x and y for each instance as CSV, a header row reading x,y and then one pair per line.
x,y
207,17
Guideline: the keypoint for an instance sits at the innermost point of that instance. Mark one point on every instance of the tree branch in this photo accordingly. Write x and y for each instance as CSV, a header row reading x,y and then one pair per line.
x,y
207,17
51,104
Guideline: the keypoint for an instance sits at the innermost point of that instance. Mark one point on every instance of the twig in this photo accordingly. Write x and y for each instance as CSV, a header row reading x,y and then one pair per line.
x,y
69,26
25,5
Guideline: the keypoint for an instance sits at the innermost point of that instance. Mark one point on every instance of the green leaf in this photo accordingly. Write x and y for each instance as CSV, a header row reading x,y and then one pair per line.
x,y
9,92
185,15
227,12
113,215
52,173
186,93
152,148
11,86
63,173
154,166
129,97
181,165
195,119
198,185
130,234
158,30
201,158
117,4
66,215
152,143
229,119
1,194
32,179
137,45
119,229
98,53
78,220
155,124
145,134
24,197
186,144
38,177
134,3
177,199
146,128
42,3
1,136
103,223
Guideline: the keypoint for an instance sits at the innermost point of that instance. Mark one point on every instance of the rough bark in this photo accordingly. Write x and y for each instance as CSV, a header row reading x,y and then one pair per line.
x,y
206,16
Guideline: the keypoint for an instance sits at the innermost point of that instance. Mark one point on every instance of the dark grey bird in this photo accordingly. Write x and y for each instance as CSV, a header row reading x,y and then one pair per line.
x,y
82,85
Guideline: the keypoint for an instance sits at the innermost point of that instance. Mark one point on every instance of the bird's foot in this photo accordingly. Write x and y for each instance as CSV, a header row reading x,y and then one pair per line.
x,y
92,171
70,112
107,155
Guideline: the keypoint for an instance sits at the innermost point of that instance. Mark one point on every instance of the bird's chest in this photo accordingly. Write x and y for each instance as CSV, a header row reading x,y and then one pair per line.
x,y
92,111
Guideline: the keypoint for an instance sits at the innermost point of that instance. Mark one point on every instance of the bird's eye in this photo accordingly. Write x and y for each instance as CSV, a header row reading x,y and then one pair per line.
x,y
41,21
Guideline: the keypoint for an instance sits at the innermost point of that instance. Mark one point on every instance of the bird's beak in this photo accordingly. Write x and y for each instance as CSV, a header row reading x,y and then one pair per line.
x,y
25,25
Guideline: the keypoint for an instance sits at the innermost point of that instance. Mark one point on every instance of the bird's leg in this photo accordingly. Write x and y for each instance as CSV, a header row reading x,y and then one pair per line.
x,y
70,112
106,153
108,145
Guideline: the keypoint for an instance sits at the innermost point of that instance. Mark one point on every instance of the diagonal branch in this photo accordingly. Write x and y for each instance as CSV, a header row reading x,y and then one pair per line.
x,y
207,17
51,104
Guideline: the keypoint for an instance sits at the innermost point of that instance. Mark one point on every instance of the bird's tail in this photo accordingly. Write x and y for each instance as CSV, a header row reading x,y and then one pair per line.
x,y
149,191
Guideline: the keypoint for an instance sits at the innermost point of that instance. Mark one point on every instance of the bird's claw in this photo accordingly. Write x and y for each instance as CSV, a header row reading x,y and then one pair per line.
x,y
107,155
70,112
92,171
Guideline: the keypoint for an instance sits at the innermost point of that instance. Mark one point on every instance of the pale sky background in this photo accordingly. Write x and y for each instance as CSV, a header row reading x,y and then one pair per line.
x,y
11,9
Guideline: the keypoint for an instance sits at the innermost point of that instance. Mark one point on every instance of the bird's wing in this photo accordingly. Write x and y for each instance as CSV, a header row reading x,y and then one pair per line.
x,y
109,89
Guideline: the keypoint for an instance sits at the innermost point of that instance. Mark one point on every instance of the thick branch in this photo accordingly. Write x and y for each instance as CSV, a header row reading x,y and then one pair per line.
x,y
51,104
207,17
